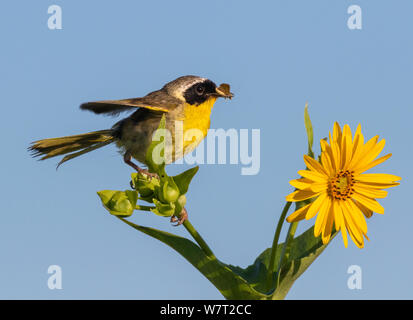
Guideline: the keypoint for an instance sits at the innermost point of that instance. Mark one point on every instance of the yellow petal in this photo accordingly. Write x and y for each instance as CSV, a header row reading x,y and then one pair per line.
x,y
321,217
370,192
326,231
355,236
370,156
346,147
301,183
326,148
357,146
337,214
352,228
323,145
377,177
346,132
339,221
325,160
318,177
335,149
298,214
300,195
319,187
373,164
314,165
357,216
316,206
378,185
367,212
369,203
337,133
364,150
344,234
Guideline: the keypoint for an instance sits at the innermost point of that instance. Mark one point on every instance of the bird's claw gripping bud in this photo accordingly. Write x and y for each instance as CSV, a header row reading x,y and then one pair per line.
x,y
144,185
182,218
150,175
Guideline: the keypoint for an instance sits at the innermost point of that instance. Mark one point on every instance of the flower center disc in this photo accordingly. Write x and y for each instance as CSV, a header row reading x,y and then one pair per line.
x,y
341,186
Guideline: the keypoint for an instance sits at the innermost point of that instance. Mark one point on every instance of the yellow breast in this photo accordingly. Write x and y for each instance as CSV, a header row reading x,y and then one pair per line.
x,y
196,117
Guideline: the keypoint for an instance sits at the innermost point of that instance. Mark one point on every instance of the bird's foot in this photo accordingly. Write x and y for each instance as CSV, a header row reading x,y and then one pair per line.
x,y
183,216
147,173
127,158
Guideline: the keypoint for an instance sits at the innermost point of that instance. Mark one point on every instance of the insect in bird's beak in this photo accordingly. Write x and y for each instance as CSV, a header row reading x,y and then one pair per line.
x,y
223,91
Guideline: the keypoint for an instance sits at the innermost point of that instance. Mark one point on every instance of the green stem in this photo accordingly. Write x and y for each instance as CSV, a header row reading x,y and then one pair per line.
x,y
144,208
288,239
275,244
197,237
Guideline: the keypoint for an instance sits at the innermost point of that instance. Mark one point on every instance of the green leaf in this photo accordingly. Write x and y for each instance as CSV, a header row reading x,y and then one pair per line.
x,y
249,283
228,282
302,251
183,179
309,129
119,203
256,274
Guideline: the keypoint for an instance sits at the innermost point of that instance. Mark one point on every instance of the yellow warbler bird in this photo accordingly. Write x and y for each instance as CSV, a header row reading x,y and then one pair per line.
x,y
188,99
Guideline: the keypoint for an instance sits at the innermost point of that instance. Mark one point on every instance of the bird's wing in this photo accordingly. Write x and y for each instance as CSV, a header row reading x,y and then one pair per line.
x,y
157,101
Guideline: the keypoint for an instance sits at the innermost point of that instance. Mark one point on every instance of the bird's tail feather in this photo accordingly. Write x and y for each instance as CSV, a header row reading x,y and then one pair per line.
x,y
71,146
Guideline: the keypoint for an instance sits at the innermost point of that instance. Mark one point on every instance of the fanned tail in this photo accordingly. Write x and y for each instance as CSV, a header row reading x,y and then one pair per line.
x,y
72,146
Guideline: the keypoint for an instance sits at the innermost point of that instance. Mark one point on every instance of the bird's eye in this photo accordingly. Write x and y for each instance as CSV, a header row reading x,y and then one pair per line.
x,y
200,89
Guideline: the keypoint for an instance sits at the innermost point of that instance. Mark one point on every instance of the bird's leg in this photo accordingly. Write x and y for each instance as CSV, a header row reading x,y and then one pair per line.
x,y
127,158
183,216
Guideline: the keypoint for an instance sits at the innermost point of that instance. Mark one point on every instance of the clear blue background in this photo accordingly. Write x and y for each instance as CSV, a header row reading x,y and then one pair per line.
x,y
276,55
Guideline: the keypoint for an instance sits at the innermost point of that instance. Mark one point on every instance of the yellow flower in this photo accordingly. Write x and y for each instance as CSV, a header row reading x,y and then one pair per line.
x,y
343,194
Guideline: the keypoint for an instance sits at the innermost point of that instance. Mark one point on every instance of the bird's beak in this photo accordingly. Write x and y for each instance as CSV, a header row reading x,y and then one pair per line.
x,y
223,91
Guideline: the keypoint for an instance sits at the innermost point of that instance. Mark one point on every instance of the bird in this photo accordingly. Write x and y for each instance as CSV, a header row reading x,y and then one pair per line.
x,y
187,99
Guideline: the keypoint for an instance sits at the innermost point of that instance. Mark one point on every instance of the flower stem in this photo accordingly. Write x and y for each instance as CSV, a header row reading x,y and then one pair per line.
x,y
144,208
197,237
270,270
288,238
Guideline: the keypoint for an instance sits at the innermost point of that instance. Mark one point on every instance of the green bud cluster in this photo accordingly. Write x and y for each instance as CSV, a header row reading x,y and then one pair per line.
x,y
165,192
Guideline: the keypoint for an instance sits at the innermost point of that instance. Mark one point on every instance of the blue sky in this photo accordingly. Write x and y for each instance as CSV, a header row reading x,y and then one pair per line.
x,y
276,55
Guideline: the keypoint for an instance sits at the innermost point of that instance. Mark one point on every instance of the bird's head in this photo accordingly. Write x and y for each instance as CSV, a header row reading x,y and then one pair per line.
x,y
195,90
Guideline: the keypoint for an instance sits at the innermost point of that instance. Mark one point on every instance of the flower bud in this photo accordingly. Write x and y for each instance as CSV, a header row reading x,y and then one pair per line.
x,y
120,203
144,185
163,209
170,193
